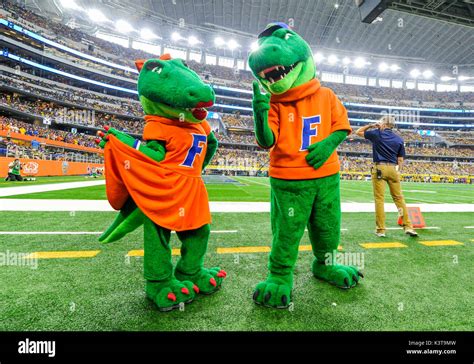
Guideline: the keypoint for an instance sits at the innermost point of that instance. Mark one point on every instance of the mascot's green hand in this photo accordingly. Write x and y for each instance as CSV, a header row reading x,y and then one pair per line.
x,y
260,106
320,152
120,135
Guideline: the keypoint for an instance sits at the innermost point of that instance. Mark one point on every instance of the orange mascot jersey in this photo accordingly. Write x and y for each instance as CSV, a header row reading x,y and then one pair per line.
x,y
298,118
171,192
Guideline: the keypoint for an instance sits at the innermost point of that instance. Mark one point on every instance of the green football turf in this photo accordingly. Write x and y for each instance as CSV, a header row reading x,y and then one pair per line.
x,y
45,180
413,288
258,189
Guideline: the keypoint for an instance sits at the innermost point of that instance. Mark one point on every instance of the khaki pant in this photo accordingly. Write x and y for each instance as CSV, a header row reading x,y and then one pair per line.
x,y
390,176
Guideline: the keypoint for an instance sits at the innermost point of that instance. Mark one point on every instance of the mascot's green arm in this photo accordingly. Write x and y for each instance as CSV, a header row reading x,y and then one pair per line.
x,y
155,149
211,149
261,106
320,152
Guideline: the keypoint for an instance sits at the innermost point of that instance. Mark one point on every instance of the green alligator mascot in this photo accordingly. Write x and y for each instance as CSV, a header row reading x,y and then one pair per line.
x,y
158,183
302,123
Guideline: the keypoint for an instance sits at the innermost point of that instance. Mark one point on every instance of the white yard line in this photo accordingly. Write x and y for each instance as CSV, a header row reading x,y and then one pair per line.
x,y
86,232
468,227
423,228
22,190
247,181
50,232
234,207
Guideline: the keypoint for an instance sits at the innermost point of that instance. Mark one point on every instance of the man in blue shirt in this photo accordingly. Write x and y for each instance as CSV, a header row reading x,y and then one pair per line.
x,y
388,151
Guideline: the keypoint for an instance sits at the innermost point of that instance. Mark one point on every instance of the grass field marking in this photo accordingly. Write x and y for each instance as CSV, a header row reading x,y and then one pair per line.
x,y
87,232
244,249
307,248
423,228
63,254
21,190
219,231
247,180
420,191
393,244
50,232
358,191
440,243
468,227
141,252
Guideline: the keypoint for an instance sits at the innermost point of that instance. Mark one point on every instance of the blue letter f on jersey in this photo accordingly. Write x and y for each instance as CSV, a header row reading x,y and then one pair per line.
x,y
309,130
199,141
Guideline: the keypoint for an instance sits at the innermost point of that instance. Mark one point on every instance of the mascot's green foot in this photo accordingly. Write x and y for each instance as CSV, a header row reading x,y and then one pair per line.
x,y
206,281
274,292
170,294
342,276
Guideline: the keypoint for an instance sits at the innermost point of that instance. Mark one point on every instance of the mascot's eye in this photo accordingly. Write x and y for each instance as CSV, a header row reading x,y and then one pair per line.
x,y
154,67
288,35
185,64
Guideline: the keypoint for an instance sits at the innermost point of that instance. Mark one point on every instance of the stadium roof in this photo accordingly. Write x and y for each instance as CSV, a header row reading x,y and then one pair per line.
x,y
324,24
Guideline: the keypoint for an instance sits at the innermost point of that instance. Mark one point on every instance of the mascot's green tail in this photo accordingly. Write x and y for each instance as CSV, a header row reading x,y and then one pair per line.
x,y
129,218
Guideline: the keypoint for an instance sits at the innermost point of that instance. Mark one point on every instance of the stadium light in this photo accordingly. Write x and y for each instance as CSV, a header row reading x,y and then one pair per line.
x,y
70,4
147,34
254,46
175,36
192,40
394,67
383,67
415,73
219,42
123,26
332,59
463,78
359,62
346,60
336,5
427,74
318,57
97,15
232,44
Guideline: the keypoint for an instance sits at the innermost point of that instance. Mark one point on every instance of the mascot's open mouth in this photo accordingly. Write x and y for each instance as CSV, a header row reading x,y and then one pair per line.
x,y
199,112
276,73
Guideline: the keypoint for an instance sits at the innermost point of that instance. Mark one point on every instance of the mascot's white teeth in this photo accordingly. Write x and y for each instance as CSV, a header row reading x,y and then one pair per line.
x,y
276,73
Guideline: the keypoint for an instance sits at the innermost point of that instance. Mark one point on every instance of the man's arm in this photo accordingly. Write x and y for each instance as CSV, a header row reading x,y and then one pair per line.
x,y
212,144
400,164
361,131
401,155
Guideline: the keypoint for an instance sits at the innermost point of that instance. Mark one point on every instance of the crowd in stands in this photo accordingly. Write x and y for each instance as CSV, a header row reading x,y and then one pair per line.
x,y
411,150
359,164
236,138
125,56
240,159
238,121
398,96
94,100
458,138
63,115
64,34
11,125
